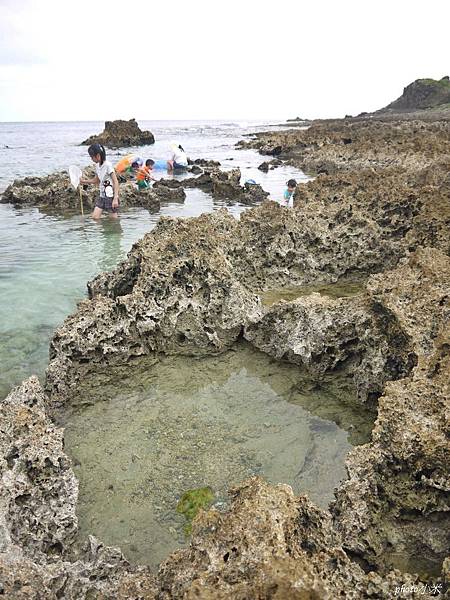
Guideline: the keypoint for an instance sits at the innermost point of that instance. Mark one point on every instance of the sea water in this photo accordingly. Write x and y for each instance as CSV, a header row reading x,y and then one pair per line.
x,y
46,258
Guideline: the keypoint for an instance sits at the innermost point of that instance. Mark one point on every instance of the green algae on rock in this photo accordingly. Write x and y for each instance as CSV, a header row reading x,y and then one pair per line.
x,y
191,502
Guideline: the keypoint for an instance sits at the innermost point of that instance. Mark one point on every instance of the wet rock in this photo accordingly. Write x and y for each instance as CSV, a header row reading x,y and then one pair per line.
x,y
195,170
167,183
203,162
253,193
269,165
226,184
55,192
130,195
167,191
51,191
203,182
118,134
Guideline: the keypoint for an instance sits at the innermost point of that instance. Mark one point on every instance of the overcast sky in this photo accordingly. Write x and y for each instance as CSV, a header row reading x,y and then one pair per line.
x,y
203,59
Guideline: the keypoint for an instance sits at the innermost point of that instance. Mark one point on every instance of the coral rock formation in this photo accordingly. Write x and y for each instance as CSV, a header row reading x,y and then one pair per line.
x,y
119,134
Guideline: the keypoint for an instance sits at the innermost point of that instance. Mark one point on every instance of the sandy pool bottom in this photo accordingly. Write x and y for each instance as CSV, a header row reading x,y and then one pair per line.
x,y
140,437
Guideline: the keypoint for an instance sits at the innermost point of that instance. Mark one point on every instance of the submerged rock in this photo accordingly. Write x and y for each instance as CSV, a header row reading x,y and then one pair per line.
x,y
226,184
192,501
269,165
168,191
118,134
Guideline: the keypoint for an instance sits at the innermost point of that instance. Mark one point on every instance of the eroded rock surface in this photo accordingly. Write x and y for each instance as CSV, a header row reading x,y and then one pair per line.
x,y
119,134
270,545
39,490
38,495
395,505
176,293
55,192
327,335
189,287
51,191
328,147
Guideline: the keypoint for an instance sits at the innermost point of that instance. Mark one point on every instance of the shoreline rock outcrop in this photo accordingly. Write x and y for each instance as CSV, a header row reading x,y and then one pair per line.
x,y
191,286
120,134
422,94
353,145
56,193
403,470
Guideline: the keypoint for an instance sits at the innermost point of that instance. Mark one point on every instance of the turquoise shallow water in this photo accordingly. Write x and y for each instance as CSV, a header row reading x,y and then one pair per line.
x,y
46,259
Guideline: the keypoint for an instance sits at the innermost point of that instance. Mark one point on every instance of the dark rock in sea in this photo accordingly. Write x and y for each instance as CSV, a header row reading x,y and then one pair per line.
x,y
168,193
130,195
271,164
168,183
118,134
55,192
253,193
51,191
203,162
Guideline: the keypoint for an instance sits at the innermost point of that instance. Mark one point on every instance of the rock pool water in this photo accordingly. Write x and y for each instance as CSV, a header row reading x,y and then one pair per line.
x,y
141,436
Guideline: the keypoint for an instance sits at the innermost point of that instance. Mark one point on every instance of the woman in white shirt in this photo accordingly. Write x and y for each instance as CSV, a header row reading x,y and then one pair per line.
x,y
179,160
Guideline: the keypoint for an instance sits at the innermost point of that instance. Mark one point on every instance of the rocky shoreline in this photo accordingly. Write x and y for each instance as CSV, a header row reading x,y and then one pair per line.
x,y
379,212
54,192
355,144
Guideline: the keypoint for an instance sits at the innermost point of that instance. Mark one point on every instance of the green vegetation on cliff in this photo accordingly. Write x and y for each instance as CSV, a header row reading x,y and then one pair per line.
x,y
422,94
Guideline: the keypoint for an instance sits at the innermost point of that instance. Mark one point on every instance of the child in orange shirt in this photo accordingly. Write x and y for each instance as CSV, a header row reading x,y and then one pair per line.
x,y
144,174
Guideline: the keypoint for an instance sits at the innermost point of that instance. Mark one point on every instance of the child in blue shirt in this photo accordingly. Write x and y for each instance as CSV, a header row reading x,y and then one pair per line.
x,y
288,196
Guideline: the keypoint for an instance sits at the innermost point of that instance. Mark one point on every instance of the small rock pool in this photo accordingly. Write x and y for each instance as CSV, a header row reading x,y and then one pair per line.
x,y
141,436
